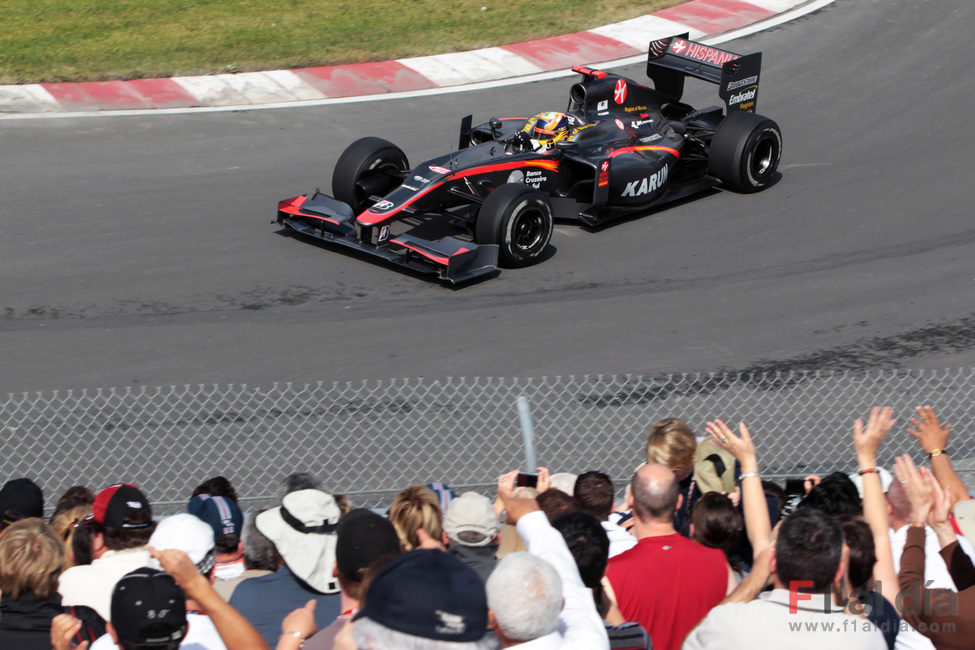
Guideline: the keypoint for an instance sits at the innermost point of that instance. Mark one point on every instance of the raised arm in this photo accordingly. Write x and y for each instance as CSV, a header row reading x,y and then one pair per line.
x,y
925,608
236,631
758,525
960,566
752,584
866,441
583,627
934,441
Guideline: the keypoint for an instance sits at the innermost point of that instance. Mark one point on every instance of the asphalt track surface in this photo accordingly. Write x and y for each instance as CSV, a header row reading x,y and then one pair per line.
x,y
139,250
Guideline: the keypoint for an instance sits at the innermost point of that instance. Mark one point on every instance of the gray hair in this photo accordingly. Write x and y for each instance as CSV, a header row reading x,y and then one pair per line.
x,y
564,481
299,481
259,551
525,594
370,635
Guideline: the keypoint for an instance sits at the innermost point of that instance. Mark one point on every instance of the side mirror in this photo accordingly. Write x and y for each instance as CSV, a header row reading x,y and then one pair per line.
x,y
566,145
495,125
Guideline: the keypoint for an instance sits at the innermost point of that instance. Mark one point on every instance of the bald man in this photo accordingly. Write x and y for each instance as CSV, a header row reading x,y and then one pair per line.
x,y
666,582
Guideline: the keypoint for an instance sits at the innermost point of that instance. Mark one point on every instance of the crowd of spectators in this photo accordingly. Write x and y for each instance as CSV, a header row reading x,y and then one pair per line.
x,y
700,553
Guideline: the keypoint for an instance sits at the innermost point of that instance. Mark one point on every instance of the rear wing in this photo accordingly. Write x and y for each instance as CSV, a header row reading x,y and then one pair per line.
x,y
672,59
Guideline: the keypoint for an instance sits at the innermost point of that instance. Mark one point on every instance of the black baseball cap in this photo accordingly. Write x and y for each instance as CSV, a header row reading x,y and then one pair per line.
x,y
116,503
363,538
20,498
428,594
148,608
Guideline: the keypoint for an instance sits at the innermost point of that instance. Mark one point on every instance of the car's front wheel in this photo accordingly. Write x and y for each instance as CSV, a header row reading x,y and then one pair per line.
x,y
745,151
368,167
519,220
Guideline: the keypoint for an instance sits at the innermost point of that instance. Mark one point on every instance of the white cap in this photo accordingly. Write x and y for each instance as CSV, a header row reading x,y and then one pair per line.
x,y
187,533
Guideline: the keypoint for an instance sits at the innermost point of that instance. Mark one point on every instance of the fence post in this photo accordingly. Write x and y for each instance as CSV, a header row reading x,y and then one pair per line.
x,y
527,434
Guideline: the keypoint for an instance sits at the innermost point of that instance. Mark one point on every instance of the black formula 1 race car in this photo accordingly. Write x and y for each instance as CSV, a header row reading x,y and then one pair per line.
x,y
619,148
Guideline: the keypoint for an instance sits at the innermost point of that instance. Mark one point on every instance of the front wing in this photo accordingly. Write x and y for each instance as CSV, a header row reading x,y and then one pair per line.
x,y
322,217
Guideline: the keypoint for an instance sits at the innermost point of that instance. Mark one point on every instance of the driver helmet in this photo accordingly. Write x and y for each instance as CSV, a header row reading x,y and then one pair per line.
x,y
548,127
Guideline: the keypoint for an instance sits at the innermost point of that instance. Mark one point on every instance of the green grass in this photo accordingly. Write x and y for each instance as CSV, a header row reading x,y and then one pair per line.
x,y
88,40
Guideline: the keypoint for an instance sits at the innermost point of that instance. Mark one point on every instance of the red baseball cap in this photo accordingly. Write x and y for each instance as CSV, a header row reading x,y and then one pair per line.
x,y
116,503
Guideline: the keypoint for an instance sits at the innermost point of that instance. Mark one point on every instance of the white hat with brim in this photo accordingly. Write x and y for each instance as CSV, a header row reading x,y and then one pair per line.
x,y
303,530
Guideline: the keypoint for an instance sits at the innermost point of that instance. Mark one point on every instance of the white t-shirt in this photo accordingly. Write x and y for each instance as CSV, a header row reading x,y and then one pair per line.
x,y
620,539
935,568
92,584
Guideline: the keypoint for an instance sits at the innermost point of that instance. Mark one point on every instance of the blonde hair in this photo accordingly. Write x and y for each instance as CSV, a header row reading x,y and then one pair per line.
x,y
31,559
671,442
64,524
413,508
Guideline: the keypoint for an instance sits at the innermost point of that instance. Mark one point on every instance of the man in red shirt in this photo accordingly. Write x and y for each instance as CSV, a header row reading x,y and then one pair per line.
x,y
666,582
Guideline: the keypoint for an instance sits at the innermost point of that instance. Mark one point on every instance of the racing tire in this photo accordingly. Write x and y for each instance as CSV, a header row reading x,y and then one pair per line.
x,y
519,220
745,151
368,167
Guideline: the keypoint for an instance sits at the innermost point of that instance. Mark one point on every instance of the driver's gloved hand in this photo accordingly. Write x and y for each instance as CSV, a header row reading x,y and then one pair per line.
x,y
522,140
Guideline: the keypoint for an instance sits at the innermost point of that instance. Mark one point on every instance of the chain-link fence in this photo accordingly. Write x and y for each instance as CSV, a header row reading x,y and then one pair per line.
x,y
371,439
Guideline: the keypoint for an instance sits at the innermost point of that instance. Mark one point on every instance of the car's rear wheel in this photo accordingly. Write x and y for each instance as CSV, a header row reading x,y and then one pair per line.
x,y
519,220
368,167
745,151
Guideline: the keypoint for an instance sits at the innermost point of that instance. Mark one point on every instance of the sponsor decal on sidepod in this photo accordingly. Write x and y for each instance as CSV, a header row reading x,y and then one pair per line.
x,y
646,185
535,178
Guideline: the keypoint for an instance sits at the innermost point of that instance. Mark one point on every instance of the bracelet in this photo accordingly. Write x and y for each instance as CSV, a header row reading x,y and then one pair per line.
x,y
937,452
872,470
749,475
298,635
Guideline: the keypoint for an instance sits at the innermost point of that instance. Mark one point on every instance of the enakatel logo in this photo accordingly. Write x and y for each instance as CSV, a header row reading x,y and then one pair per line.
x,y
743,97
